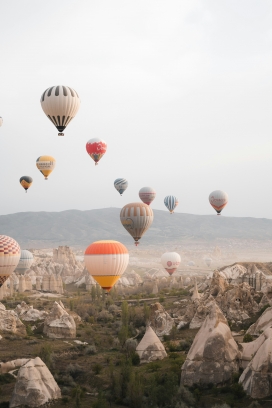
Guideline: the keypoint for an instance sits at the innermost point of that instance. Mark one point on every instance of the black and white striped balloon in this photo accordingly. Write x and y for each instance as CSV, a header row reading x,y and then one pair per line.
x,y
60,104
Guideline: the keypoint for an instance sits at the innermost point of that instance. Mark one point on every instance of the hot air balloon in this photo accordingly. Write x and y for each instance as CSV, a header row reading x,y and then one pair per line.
x,y
170,261
191,263
208,261
106,261
96,148
9,257
26,182
136,218
46,165
25,262
121,185
218,200
1,121
171,202
60,104
147,195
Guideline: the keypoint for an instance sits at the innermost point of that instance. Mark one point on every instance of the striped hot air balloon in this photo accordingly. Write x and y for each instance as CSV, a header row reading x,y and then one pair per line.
x,y
46,165
60,104
121,185
170,261
171,202
147,195
218,200
96,148
106,261
136,218
26,182
25,262
10,252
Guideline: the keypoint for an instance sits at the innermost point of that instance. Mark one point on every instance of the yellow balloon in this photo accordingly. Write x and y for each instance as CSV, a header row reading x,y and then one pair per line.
x,y
46,165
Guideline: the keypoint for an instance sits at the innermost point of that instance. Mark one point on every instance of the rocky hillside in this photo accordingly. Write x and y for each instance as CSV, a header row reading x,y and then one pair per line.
x,y
79,228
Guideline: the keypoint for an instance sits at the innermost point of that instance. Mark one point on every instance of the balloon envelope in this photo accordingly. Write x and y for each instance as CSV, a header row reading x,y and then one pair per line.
x,y
9,257
60,104
46,165
218,200
147,195
26,182
121,185
106,261
25,262
208,261
170,261
171,202
136,218
1,121
96,148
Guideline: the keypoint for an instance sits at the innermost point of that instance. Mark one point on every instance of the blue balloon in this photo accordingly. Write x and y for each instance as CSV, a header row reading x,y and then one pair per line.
x,y
121,185
171,202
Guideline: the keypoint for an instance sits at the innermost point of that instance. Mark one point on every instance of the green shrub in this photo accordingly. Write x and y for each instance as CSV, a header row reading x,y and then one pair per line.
x,y
135,359
247,338
97,368
264,308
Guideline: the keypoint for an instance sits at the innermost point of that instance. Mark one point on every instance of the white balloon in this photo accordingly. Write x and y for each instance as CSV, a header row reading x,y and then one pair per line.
x,y
170,261
218,200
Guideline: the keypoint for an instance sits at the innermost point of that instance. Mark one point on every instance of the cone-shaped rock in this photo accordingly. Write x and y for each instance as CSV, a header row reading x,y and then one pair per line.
x,y
257,377
150,347
213,356
35,385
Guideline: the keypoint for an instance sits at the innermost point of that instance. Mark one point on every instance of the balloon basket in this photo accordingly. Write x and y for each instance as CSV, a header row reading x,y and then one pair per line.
x,y
61,134
46,178
136,243
96,163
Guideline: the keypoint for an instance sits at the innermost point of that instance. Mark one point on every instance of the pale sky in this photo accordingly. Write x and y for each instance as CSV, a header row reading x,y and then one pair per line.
x,y
180,90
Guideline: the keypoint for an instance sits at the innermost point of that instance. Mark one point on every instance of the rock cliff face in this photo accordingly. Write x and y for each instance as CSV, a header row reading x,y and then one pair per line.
x,y
150,347
35,385
213,356
161,321
257,377
59,324
264,322
248,350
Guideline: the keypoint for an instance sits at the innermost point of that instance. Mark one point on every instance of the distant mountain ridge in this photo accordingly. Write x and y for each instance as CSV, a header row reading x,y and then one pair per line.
x,y
80,228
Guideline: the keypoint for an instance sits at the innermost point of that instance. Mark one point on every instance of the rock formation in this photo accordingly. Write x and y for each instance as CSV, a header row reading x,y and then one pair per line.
x,y
22,285
218,284
46,283
201,313
10,322
213,356
12,365
28,282
257,377
248,350
161,321
264,322
39,283
35,385
59,324
150,347
64,255
195,294
27,313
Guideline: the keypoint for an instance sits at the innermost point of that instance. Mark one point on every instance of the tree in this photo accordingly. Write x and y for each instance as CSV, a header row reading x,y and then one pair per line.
x,y
93,293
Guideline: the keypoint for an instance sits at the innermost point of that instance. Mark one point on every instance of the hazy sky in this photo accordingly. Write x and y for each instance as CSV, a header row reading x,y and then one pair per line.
x,y
180,90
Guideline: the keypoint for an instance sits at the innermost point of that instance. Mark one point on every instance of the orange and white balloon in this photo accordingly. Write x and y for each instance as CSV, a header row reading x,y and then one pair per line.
x,y
170,261
136,218
218,200
106,261
147,195
10,253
